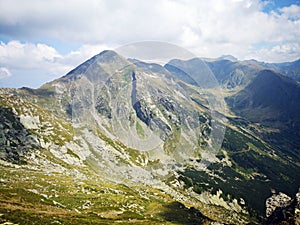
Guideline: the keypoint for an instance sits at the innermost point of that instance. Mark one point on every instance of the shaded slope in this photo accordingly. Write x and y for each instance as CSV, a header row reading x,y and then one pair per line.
x,y
289,69
273,101
270,98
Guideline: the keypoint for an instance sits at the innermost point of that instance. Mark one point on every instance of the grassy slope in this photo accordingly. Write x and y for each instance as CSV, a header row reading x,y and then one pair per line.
x,y
33,197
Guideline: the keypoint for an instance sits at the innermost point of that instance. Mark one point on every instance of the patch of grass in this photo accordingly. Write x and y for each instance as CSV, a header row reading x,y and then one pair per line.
x,y
140,130
70,152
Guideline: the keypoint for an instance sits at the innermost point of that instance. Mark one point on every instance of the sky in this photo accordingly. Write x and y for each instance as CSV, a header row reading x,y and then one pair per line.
x,y
43,40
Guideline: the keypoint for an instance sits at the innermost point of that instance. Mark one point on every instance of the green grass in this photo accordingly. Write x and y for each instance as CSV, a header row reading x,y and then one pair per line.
x,y
32,197
37,197
110,203
140,130
70,152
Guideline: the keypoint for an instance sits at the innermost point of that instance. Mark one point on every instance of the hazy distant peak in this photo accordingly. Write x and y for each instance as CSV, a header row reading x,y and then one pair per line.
x,y
228,57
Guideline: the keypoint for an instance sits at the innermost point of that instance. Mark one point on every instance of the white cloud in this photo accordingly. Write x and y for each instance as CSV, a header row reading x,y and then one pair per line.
x,y
83,53
42,62
278,53
291,12
28,55
41,56
193,24
206,28
4,73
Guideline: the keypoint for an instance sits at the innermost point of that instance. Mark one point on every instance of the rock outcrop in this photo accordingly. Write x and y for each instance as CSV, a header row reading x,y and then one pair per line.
x,y
15,140
282,209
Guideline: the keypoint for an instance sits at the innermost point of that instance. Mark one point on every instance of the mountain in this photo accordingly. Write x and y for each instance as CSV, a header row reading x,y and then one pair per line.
x,y
228,57
268,99
289,69
119,140
272,100
232,73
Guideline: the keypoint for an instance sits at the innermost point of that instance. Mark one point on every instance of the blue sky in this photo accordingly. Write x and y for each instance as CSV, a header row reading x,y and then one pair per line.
x,y
277,4
43,40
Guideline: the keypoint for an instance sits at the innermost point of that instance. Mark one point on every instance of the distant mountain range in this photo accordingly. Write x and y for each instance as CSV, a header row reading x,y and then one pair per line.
x,y
120,140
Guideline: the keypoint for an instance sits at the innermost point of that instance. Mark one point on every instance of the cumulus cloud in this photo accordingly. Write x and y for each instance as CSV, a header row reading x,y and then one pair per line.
x,y
39,59
278,53
197,25
37,56
206,28
40,62
291,12
27,55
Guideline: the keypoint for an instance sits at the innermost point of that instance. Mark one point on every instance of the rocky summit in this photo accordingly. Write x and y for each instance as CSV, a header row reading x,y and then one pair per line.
x,y
122,141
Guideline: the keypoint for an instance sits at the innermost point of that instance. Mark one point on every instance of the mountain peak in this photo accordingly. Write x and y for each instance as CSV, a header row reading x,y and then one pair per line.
x,y
106,56
107,53
228,57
